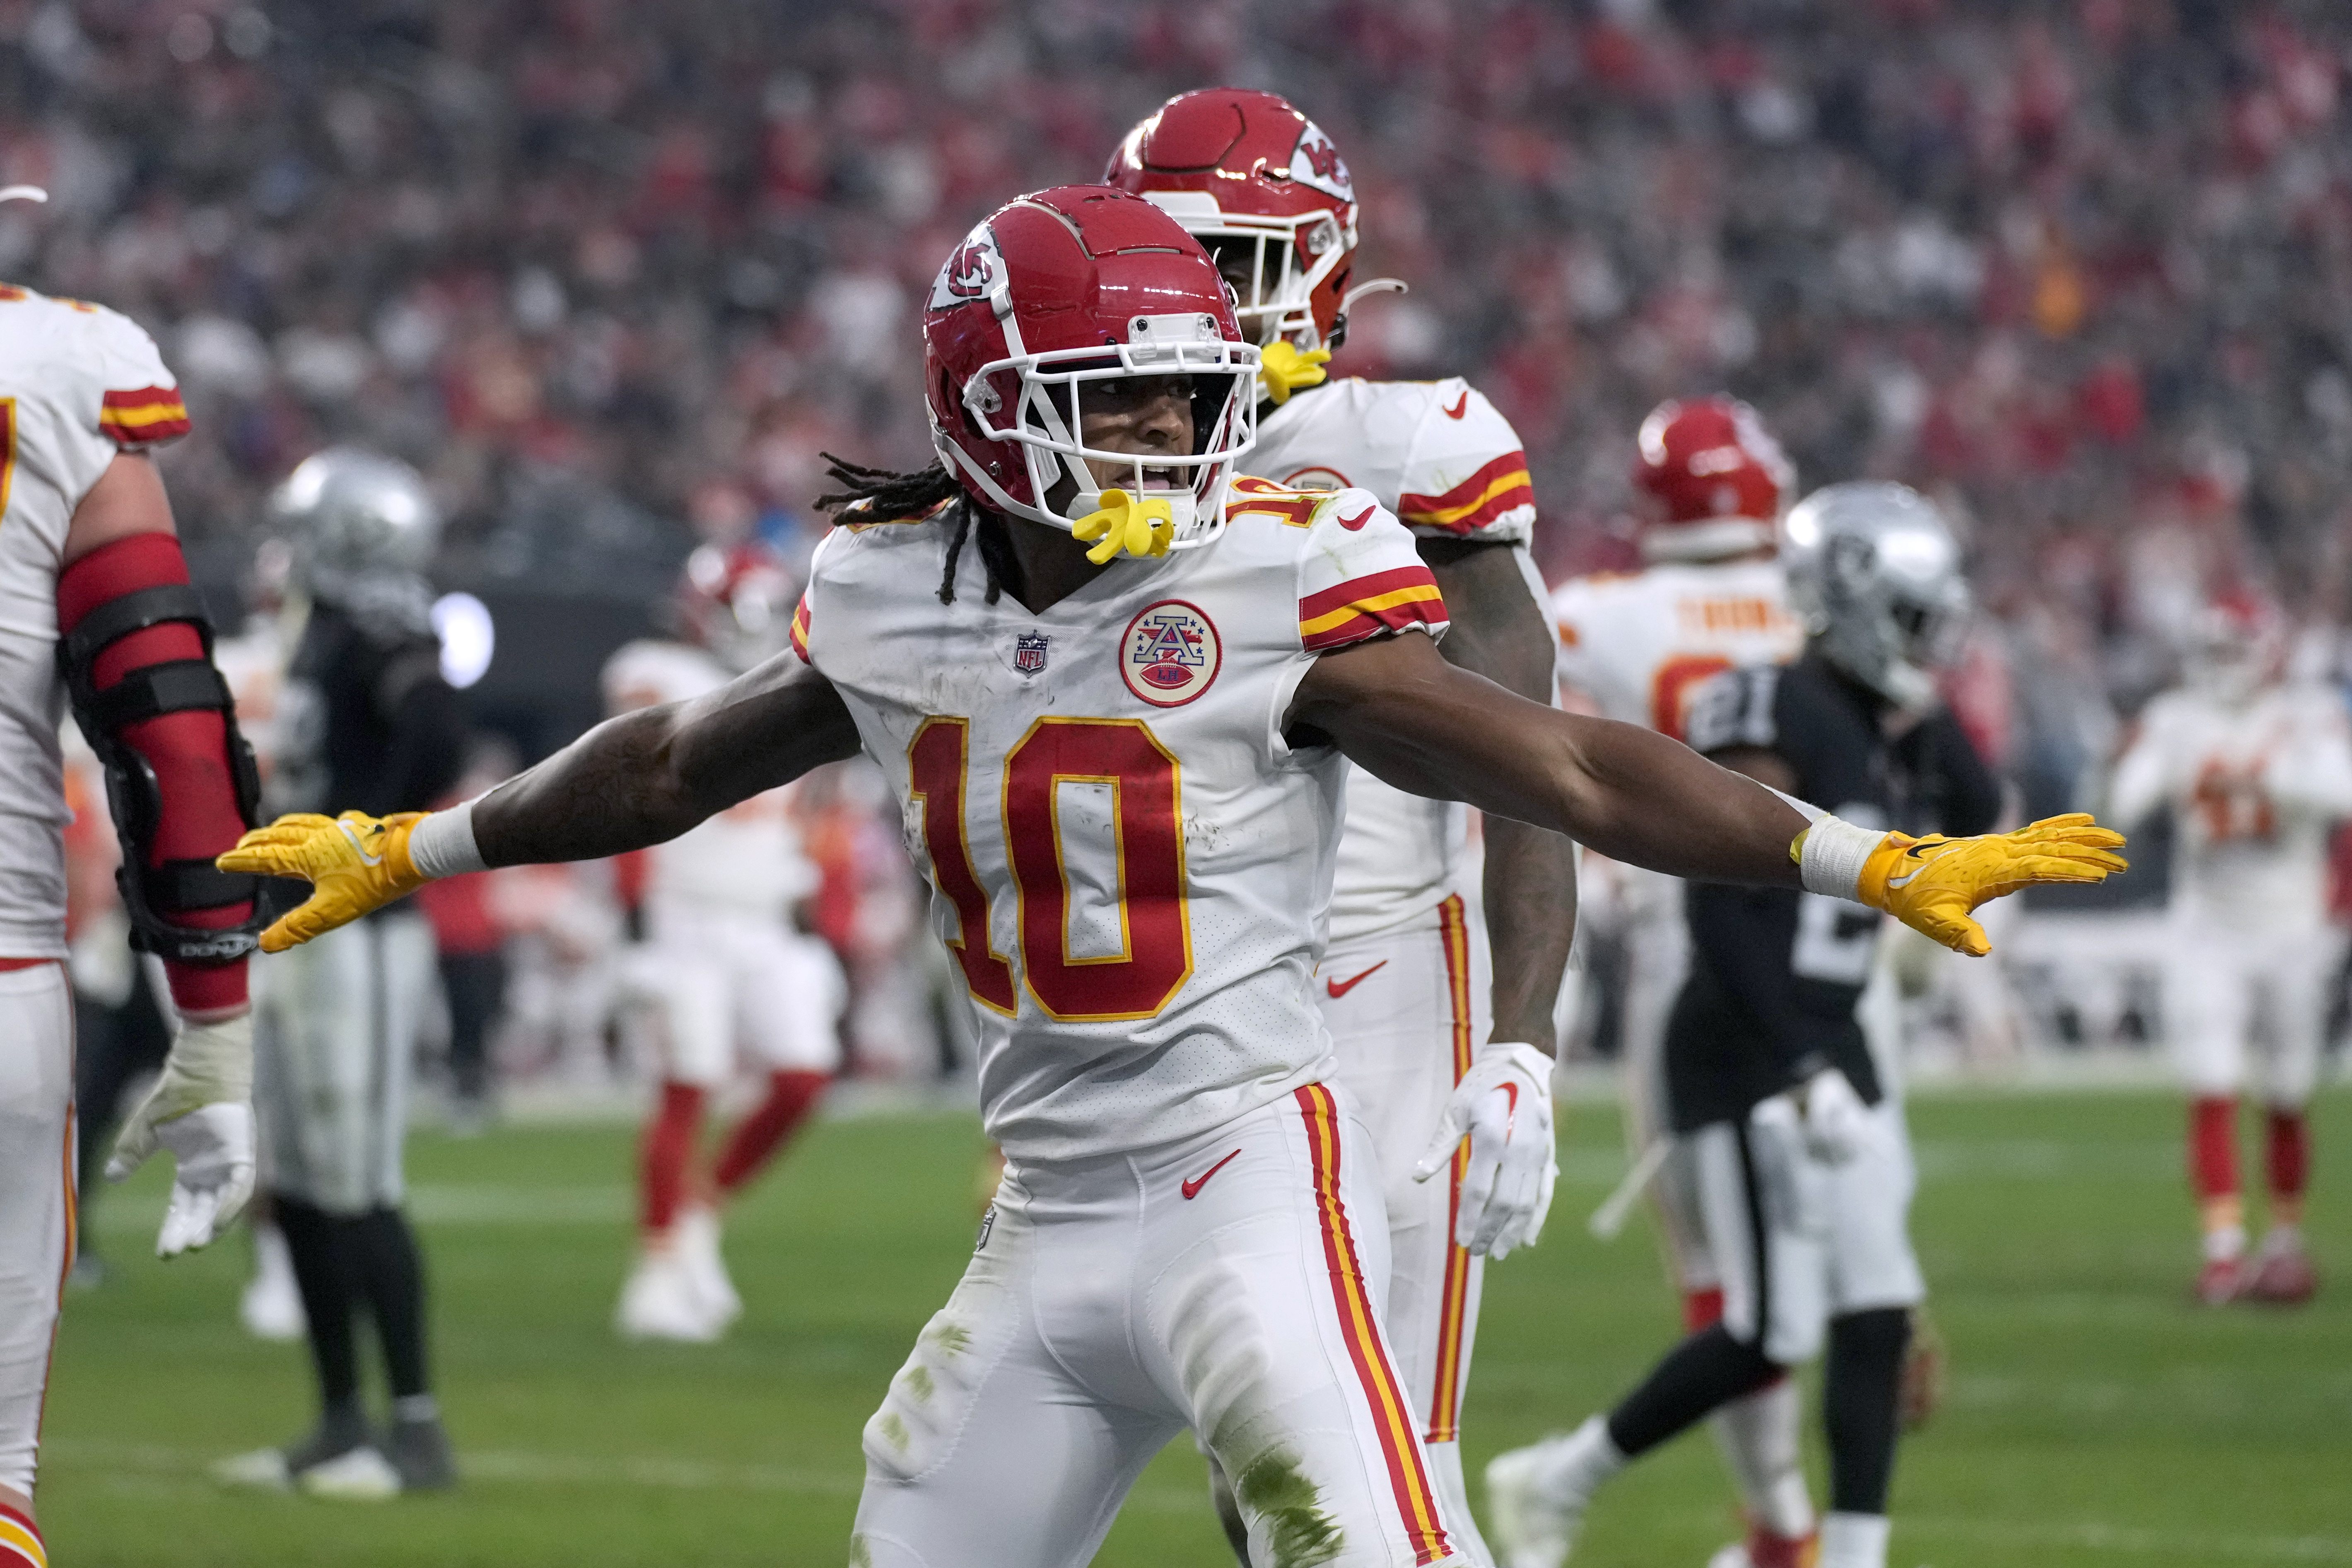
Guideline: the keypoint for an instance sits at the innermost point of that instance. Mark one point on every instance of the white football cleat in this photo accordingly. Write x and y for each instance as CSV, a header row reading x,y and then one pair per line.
x,y
264,1469
271,1307
660,1302
364,1474
697,1241
1536,1496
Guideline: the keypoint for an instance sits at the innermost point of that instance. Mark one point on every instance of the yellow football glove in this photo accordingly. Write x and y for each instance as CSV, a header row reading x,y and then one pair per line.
x,y
1145,527
1931,884
356,863
1282,370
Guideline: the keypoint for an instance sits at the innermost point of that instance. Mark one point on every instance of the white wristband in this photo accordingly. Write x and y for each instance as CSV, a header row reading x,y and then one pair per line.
x,y
443,844
1832,857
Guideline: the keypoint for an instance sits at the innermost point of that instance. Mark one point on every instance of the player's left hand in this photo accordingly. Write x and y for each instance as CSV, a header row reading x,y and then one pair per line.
x,y
356,863
1933,884
201,1112
1503,1105
1835,1120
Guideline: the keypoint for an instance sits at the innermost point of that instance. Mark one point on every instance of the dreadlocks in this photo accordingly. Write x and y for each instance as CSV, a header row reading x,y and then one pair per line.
x,y
881,493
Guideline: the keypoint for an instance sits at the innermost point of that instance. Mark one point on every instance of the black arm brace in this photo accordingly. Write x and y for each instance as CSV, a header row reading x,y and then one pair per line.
x,y
178,686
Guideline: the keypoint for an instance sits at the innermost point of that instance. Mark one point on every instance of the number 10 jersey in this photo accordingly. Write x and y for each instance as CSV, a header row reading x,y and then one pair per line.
x,y
1131,866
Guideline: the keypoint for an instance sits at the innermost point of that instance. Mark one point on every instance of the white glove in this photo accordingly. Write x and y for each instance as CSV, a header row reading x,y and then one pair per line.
x,y
1503,1105
1835,1120
202,1111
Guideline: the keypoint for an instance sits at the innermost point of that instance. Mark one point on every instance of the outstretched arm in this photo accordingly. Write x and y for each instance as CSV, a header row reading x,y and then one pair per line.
x,y
637,780
646,778
1397,708
1500,631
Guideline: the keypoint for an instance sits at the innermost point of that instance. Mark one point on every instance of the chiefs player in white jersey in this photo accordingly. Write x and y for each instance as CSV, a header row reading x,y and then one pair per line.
x,y
2255,769
1113,688
720,958
1404,986
1711,483
95,604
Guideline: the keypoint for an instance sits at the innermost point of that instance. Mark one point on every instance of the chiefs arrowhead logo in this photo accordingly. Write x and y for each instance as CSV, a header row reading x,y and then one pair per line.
x,y
975,269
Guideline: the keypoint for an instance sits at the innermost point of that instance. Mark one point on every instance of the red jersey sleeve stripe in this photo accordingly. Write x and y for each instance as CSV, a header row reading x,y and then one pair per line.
x,y
1496,489
138,417
1362,625
800,629
1357,589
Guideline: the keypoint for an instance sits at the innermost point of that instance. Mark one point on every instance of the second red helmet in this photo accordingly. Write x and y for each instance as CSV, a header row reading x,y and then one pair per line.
x,y
1717,479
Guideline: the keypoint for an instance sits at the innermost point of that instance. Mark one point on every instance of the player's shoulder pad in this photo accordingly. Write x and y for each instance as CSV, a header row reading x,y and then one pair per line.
x,y
1736,707
1361,573
140,403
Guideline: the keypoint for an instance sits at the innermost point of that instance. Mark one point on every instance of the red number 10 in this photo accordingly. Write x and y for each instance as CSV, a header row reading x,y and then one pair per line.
x,y
1155,926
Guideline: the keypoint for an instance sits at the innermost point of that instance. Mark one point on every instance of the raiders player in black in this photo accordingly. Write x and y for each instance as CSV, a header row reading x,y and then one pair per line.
x,y
1803,1167
366,717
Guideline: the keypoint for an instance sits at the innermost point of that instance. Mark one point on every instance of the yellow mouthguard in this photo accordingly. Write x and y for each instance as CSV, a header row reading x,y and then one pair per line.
x,y
1145,527
1282,370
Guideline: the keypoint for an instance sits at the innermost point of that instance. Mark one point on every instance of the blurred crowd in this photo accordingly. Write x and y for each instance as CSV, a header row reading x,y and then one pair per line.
x,y
2081,268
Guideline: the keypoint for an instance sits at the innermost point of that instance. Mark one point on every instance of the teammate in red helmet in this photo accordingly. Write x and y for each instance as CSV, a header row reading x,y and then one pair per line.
x,y
1418,992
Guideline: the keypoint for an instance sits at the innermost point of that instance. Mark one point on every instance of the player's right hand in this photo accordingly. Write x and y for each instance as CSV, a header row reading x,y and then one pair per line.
x,y
1933,884
355,863
1502,1107
1834,1119
201,1113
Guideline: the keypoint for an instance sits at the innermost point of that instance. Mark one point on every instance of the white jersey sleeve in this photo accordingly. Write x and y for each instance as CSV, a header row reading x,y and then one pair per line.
x,y
79,384
1129,863
1638,643
1436,453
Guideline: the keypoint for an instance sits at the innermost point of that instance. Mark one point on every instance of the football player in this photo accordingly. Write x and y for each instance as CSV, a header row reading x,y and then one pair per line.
x,y
720,960
95,607
1710,484
1404,986
1113,686
364,715
2255,769
1800,1165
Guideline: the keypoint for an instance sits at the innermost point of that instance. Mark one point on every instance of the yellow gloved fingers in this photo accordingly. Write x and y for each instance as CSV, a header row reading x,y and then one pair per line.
x,y
1282,370
356,862
267,859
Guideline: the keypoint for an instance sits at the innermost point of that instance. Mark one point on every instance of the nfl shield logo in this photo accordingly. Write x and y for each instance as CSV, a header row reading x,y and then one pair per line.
x,y
1029,652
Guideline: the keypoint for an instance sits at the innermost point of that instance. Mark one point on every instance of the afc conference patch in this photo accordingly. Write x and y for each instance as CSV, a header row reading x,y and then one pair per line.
x,y
1171,654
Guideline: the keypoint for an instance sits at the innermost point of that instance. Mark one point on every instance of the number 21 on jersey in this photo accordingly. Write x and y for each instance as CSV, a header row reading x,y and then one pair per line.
x,y
1154,956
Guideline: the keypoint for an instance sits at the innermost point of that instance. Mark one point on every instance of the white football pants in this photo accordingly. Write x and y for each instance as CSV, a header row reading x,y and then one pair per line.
x,y
1658,961
725,979
1798,1240
335,1026
1407,1007
1232,1283
36,1198
2223,980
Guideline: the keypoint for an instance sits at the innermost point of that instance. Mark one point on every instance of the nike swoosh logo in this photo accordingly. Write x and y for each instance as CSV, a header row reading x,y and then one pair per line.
x,y
1192,1187
1461,406
1339,988
1357,521
352,834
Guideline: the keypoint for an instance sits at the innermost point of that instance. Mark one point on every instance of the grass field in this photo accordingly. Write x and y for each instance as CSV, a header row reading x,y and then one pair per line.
x,y
2094,1417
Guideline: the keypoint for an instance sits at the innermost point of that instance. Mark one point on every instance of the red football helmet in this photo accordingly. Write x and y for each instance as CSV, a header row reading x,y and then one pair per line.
x,y
1246,169
1065,288
736,601
2237,646
1717,475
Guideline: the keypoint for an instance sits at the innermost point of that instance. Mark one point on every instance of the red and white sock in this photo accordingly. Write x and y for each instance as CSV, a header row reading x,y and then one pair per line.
x,y
20,1541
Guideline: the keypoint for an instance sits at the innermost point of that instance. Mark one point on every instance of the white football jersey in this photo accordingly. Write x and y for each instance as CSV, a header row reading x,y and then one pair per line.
x,y
1639,643
1129,864
2254,787
78,385
748,860
1447,463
